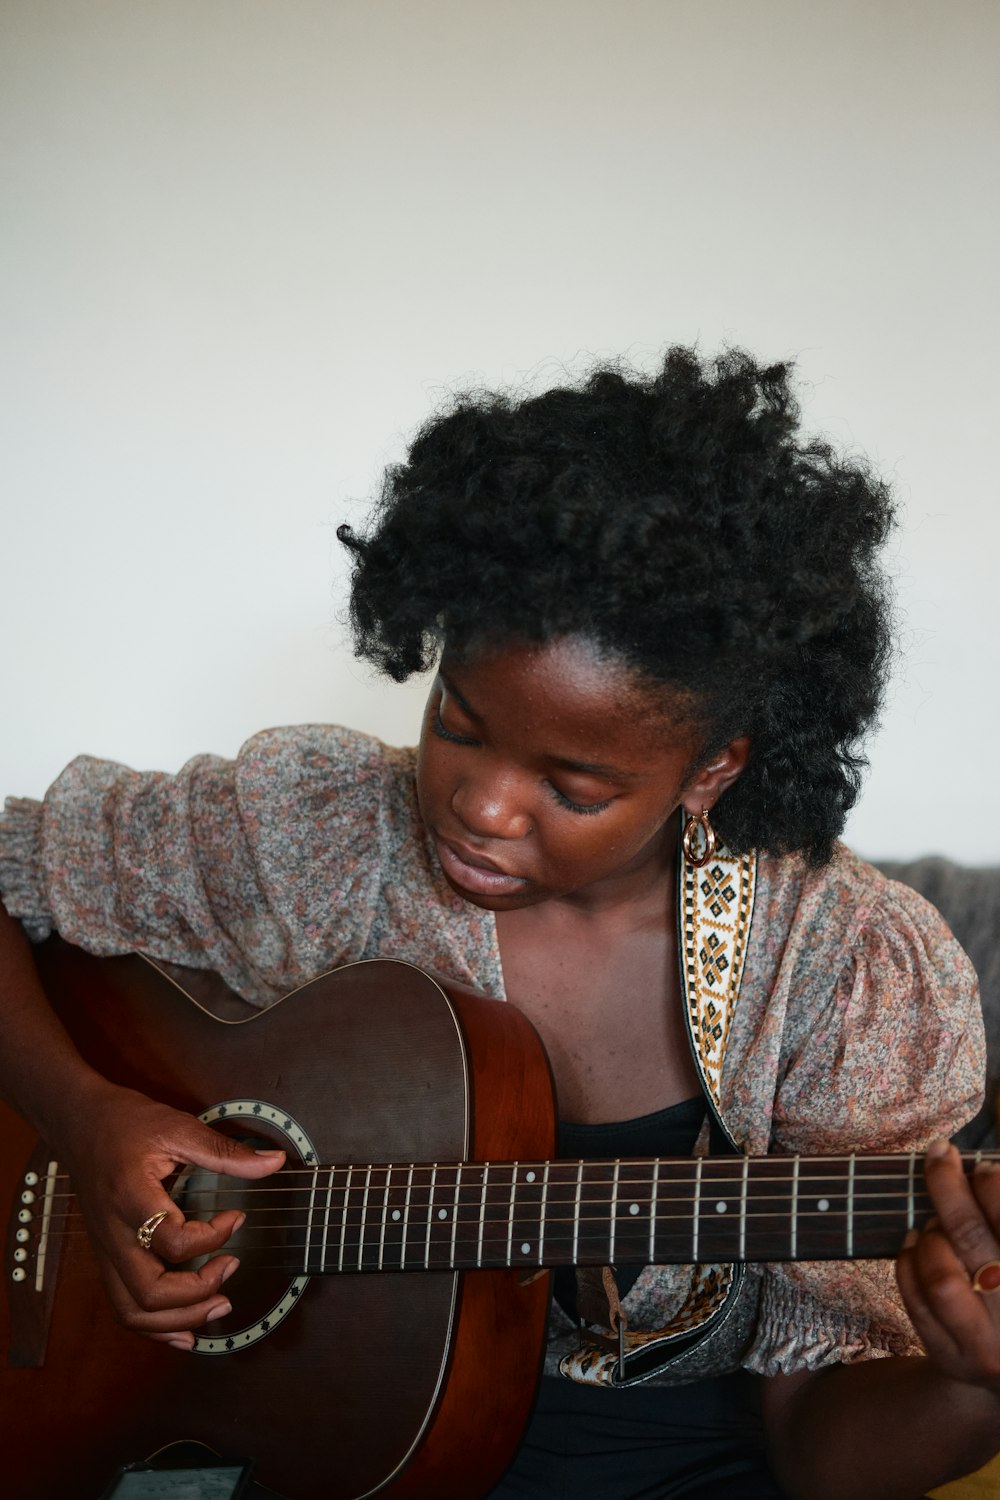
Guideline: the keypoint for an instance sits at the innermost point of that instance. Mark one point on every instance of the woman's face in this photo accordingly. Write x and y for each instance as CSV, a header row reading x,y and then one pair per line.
x,y
553,771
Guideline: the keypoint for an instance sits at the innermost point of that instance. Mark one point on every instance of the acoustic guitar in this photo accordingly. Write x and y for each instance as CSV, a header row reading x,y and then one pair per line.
x,y
389,1315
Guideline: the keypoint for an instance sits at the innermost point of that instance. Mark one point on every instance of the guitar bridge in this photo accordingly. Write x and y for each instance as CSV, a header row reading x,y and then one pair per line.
x,y
35,1228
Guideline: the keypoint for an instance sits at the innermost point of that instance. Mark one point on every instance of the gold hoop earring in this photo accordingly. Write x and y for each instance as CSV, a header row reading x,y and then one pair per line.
x,y
694,827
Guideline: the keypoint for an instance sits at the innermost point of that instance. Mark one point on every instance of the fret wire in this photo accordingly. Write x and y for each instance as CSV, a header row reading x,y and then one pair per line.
x,y
543,1208
743,1208
614,1211
697,1211
850,1209
576,1214
330,1174
652,1212
510,1215
430,1212
482,1213
406,1216
328,1215
343,1222
385,1215
454,1211
310,1208
795,1209
911,1193
364,1217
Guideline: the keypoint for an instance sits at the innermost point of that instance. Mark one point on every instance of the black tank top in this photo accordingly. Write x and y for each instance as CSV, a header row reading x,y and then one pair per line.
x,y
667,1132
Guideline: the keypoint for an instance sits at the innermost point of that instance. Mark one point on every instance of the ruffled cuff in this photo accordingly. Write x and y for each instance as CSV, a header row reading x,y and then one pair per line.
x,y
798,1332
21,886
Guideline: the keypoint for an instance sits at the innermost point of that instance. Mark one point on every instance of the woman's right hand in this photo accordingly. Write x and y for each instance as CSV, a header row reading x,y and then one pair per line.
x,y
133,1144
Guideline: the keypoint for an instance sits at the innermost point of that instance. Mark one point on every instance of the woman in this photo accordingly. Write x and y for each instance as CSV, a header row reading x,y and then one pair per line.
x,y
659,622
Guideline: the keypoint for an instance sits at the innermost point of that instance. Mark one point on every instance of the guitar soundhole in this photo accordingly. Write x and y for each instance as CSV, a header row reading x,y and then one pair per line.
x,y
270,1244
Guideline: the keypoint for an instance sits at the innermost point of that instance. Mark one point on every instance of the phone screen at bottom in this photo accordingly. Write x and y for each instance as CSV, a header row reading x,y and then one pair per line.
x,y
224,1482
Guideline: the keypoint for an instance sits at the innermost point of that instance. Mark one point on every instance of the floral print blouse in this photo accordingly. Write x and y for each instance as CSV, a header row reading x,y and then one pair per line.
x,y
858,1024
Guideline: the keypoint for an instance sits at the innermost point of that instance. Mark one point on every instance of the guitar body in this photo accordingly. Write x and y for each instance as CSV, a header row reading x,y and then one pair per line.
x,y
396,1384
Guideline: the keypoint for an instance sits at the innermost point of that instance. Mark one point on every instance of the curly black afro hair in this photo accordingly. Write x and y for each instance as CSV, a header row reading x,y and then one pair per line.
x,y
678,520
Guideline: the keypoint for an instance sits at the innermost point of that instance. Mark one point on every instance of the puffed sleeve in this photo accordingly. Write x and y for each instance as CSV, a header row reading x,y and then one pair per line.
x,y
892,1058
228,865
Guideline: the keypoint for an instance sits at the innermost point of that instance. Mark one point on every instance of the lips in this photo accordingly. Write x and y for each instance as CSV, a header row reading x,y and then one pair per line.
x,y
472,872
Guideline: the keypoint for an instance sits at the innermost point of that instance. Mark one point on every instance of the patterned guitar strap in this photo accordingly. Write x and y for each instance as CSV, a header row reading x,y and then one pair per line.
x,y
715,908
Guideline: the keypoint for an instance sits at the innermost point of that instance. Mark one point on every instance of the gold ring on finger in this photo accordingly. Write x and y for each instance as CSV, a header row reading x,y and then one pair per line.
x,y
987,1278
144,1234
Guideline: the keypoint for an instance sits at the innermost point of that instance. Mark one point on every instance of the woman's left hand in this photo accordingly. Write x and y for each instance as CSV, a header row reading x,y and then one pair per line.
x,y
959,1326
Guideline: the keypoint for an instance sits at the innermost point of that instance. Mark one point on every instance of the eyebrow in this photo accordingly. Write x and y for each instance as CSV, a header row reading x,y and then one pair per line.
x,y
595,768
565,763
460,699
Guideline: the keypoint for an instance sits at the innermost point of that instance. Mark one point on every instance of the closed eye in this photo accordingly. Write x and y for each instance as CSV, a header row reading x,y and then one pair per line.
x,y
444,733
578,807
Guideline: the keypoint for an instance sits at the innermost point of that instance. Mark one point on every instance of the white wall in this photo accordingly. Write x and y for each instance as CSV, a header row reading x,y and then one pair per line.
x,y
248,244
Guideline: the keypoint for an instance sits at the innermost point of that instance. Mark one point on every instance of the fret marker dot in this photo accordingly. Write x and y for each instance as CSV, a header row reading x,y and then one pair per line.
x,y
442,1213
526,1248
529,1177
823,1205
396,1214
633,1208
721,1207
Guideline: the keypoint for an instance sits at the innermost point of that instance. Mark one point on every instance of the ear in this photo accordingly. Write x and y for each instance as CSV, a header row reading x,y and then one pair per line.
x,y
717,776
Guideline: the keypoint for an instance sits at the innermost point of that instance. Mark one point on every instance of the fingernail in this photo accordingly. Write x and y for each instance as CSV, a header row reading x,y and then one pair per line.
x,y
239,1222
987,1278
221,1310
938,1148
259,1151
233,1265
184,1344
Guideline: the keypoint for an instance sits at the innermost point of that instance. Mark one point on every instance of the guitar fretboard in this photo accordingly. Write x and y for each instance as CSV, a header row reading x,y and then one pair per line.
x,y
459,1216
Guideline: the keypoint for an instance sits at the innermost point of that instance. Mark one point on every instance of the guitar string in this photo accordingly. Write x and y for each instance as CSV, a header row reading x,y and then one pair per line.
x,y
672,1171
372,1253
498,1194
372,1218
499,1185
872,1207
375,1213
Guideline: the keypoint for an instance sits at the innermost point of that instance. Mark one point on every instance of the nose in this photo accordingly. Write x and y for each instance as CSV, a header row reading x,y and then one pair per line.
x,y
491,804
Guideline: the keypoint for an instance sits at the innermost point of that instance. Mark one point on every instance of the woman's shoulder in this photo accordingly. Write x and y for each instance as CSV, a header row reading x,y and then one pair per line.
x,y
872,997
844,902
340,793
323,771
308,752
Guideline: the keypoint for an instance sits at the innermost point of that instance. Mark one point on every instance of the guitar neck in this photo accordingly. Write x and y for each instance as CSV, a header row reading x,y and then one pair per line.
x,y
459,1216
